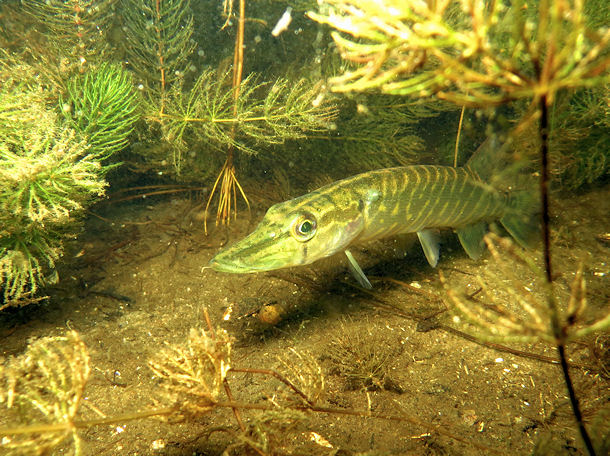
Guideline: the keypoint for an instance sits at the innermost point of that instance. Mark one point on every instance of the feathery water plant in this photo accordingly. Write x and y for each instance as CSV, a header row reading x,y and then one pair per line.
x,y
21,270
44,182
45,386
500,54
47,177
378,132
515,312
206,113
159,35
497,54
101,105
75,28
579,136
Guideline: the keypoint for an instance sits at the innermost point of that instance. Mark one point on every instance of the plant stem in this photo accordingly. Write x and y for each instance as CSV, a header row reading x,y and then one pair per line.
x,y
160,53
457,139
574,400
544,186
227,174
84,424
557,329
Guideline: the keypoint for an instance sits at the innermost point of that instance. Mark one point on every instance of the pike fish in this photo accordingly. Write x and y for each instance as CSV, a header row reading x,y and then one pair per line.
x,y
377,204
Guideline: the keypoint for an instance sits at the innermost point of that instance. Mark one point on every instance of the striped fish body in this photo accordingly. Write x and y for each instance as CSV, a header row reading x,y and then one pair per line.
x,y
372,205
414,198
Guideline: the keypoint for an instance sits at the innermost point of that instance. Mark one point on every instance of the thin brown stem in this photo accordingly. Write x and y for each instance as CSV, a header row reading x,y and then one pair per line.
x,y
229,184
277,375
558,329
160,54
58,427
235,409
457,138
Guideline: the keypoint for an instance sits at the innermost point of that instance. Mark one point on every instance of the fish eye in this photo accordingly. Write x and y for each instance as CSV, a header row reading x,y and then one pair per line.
x,y
304,227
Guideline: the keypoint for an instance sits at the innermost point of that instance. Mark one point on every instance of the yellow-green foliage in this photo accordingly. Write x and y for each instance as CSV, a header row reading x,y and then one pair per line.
x,y
159,36
76,29
47,175
51,165
44,386
101,105
193,373
41,392
480,53
580,135
499,53
264,114
527,317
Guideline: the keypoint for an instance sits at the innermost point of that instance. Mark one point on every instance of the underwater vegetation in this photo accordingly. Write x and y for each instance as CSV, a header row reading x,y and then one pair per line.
x,y
62,37
365,360
57,370
102,106
52,167
579,135
159,34
479,54
470,52
205,114
528,319
47,386
42,392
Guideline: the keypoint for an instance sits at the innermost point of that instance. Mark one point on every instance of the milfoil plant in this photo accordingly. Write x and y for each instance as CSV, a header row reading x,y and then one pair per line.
x,y
52,166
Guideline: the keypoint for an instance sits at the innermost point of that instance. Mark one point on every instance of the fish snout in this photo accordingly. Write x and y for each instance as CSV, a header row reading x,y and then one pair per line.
x,y
223,264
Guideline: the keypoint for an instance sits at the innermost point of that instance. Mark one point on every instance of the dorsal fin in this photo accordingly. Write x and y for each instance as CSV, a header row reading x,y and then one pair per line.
x,y
497,164
484,161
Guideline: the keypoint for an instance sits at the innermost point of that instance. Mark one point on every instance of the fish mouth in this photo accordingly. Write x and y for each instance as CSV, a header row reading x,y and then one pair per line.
x,y
218,263
228,261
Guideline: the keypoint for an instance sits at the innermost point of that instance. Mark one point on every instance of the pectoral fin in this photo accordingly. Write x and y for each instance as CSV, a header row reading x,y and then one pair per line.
x,y
356,271
471,238
430,240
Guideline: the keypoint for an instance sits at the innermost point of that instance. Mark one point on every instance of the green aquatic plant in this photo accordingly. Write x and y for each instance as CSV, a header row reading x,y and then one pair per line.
x,y
41,394
579,134
159,35
101,105
364,361
530,316
494,54
193,374
266,114
45,387
378,131
21,271
51,170
75,29
526,318
499,54
46,178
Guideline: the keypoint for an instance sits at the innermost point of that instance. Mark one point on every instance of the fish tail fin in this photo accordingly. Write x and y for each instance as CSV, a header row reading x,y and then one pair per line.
x,y
521,219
